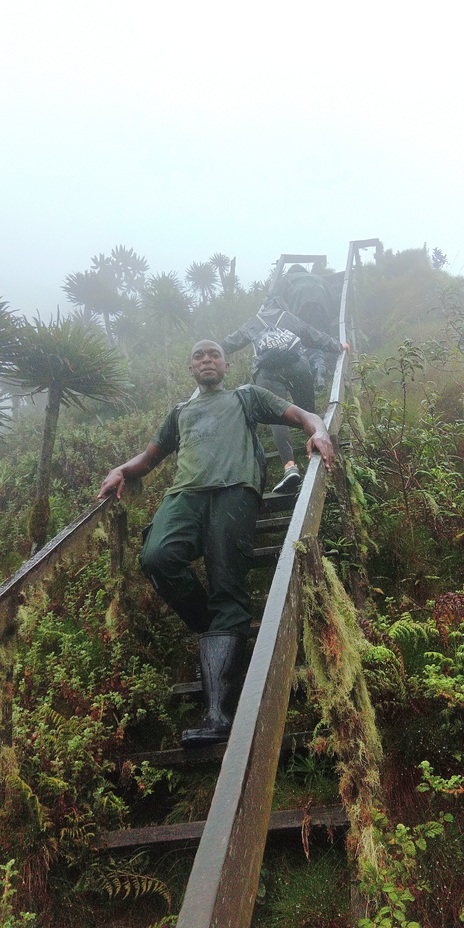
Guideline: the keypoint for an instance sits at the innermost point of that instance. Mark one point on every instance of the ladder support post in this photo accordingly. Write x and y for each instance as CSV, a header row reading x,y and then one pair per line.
x,y
117,524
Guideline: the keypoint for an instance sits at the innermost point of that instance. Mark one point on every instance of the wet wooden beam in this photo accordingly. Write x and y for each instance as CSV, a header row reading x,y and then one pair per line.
x,y
188,834
179,757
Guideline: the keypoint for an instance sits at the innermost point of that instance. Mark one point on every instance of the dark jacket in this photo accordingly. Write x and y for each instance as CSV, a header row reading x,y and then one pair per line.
x,y
275,314
309,296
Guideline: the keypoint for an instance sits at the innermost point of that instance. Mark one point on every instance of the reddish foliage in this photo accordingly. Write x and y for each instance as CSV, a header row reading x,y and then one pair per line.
x,y
448,612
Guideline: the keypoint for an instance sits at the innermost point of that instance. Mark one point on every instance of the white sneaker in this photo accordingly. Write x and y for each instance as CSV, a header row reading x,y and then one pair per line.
x,y
290,481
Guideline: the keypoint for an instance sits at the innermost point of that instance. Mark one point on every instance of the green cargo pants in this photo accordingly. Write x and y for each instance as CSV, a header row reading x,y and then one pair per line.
x,y
218,524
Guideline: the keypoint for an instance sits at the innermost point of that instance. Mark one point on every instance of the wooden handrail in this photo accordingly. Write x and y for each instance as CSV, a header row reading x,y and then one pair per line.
x,y
40,564
224,879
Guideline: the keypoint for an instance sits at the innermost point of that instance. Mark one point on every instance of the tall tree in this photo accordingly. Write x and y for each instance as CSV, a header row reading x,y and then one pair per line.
x,y
166,307
439,260
127,326
7,337
221,264
69,362
93,292
110,288
127,268
7,353
202,279
259,288
225,267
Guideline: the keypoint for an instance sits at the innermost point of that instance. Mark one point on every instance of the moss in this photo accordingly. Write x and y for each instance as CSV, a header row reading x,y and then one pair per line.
x,y
334,645
38,520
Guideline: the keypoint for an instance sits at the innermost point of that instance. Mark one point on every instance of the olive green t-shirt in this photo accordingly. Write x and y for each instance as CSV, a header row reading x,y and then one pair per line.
x,y
216,446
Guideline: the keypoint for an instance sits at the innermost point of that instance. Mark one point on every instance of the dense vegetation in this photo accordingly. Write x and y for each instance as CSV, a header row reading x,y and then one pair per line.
x,y
97,653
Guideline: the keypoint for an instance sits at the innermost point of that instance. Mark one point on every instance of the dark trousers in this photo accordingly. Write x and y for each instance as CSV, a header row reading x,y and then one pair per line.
x,y
218,524
297,380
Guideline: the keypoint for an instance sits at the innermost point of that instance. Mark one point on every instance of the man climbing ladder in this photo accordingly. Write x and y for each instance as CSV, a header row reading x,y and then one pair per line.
x,y
211,510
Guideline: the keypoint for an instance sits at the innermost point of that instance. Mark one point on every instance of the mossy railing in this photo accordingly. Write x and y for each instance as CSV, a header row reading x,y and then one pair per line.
x,y
225,876
71,539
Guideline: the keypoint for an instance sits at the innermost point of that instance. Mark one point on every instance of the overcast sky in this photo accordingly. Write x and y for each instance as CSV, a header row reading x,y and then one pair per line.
x,y
180,129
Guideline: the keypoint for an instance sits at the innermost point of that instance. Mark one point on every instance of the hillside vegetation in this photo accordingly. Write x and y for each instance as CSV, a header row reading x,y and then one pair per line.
x,y
96,654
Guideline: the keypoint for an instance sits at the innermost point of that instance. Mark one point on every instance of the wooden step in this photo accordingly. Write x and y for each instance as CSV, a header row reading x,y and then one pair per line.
x,y
194,687
278,524
297,449
189,833
178,757
187,689
277,502
266,555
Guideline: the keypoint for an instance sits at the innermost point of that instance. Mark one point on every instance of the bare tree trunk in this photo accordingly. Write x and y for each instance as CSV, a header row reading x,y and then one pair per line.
x,y
40,512
106,319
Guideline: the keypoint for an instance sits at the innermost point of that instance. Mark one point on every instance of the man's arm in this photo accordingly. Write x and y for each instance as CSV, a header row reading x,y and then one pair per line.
x,y
314,427
236,341
311,337
248,332
139,466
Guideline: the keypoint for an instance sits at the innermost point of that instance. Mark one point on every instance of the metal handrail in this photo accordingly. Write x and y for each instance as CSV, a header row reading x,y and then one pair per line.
x,y
224,879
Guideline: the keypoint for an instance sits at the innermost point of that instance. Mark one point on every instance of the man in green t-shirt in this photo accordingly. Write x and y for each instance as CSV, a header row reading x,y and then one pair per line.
x,y
211,510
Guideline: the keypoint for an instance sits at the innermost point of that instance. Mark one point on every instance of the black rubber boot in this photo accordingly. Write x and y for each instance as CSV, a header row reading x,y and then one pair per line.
x,y
222,664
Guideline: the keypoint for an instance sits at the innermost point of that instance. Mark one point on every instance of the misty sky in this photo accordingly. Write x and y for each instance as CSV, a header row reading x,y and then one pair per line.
x,y
182,129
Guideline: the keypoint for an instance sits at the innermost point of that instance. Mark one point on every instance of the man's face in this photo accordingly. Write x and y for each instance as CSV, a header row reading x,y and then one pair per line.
x,y
208,364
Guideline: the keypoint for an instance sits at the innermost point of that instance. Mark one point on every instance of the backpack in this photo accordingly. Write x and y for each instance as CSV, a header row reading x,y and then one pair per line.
x,y
244,396
276,346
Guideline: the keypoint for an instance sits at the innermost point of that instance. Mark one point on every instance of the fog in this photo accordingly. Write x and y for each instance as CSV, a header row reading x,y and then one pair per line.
x,y
187,129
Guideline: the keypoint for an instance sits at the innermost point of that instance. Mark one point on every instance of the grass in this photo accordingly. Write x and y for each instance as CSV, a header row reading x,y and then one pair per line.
x,y
299,893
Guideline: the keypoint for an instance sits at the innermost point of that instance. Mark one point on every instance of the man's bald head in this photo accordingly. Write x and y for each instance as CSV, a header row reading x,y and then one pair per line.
x,y
208,363
206,343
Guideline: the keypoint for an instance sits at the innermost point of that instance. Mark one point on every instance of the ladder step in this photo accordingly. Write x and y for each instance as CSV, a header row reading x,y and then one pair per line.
x,y
187,689
189,833
279,523
277,502
271,552
178,757
194,687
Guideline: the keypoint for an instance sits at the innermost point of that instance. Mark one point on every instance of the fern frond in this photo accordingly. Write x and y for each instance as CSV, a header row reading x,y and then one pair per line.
x,y
406,633
384,674
112,880
127,883
79,834
18,791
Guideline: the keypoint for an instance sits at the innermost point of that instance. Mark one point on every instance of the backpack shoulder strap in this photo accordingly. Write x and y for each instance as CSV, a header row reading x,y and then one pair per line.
x,y
263,321
244,395
177,409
